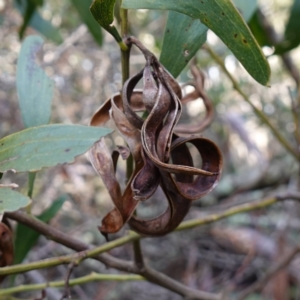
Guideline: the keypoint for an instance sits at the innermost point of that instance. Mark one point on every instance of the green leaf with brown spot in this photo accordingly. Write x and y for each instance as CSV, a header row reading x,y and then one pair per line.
x,y
103,12
183,38
223,18
46,146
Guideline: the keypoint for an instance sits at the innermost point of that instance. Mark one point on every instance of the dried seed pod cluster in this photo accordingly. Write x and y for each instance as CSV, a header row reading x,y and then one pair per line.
x,y
161,156
6,246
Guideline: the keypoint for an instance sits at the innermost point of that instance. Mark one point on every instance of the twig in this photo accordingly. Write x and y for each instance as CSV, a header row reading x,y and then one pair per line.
x,y
125,54
78,281
149,273
242,208
94,252
138,256
260,284
125,57
67,293
76,258
283,141
110,261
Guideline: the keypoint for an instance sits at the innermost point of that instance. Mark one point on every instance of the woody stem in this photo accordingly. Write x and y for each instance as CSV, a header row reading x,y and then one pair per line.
x,y
125,56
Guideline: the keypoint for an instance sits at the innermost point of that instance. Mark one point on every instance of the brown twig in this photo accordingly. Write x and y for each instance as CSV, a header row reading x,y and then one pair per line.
x,y
110,261
147,272
67,293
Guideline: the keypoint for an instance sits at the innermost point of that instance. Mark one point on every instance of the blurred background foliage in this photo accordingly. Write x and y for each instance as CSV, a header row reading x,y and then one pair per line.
x,y
84,63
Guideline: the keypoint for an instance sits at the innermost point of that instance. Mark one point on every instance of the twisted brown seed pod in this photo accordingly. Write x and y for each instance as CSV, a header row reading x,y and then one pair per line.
x,y
6,247
197,93
157,134
152,142
104,164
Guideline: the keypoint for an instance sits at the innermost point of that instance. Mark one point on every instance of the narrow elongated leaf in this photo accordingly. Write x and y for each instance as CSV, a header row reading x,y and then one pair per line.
x,y
223,18
83,8
185,35
258,30
183,38
30,8
11,200
22,246
292,30
35,88
46,146
39,24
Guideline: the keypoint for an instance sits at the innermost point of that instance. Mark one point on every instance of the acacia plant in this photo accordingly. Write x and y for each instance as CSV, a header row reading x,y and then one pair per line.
x,y
157,147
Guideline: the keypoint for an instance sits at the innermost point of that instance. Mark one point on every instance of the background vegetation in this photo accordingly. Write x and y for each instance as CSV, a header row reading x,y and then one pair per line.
x,y
250,251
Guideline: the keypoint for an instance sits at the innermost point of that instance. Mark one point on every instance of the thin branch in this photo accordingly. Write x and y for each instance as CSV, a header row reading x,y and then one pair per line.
x,y
125,54
241,208
132,236
260,284
149,273
110,261
76,258
158,278
67,292
125,57
78,281
138,255
283,141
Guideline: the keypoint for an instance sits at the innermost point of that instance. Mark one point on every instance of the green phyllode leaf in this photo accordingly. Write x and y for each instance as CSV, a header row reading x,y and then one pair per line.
x,y
222,17
258,30
21,247
46,146
292,30
184,36
83,8
29,10
39,24
103,12
11,200
34,87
